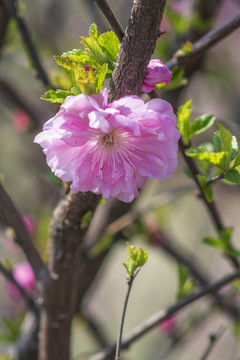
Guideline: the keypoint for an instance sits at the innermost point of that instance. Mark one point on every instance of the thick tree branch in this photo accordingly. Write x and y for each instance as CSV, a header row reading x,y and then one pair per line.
x,y
163,315
206,42
110,16
11,217
137,47
11,6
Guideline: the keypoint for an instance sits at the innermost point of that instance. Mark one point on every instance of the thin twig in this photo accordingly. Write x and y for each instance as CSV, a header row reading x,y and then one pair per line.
x,y
10,215
217,221
207,41
29,300
11,6
188,260
111,18
213,338
119,340
214,179
163,315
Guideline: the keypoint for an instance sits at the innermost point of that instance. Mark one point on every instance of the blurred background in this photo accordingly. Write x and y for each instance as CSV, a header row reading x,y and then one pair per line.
x,y
180,217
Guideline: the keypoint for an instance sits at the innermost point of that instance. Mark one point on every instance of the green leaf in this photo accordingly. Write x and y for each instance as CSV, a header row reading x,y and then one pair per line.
x,y
217,141
183,116
92,46
57,96
110,42
226,138
12,328
86,219
100,76
233,176
135,259
185,285
215,158
201,124
215,242
93,31
235,149
236,161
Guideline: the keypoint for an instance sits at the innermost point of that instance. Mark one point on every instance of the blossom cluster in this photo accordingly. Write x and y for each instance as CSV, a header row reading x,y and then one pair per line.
x,y
112,148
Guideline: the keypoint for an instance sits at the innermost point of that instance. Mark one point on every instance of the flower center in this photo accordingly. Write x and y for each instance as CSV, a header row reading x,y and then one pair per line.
x,y
108,138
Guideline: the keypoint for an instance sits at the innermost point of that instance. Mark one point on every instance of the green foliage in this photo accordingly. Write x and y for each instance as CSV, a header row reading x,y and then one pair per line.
x,y
135,259
223,153
189,129
185,284
5,357
12,328
223,242
86,219
183,117
87,68
57,96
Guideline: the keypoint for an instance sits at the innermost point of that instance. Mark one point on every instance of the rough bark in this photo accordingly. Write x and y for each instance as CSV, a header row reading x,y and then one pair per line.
x,y
137,47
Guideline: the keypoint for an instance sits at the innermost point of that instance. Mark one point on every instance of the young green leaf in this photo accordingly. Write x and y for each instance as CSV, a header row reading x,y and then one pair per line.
x,y
100,77
177,80
93,31
201,124
110,42
92,46
135,259
226,138
57,96
185,285
86,219
183,116
233,176
217,141
214,158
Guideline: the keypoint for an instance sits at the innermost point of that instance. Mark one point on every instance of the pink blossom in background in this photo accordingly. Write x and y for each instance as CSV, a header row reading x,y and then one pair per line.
x,y
20,121
23,274
29,223
156,73
169,326
111,148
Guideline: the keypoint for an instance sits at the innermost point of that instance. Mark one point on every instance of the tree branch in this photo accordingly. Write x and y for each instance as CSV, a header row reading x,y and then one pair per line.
x,y
4,19
112,19
206,42
10,215
163,315
213,339
11,6
137,47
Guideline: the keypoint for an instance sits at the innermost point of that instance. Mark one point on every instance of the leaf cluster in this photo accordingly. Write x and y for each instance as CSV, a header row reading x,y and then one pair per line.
x,y
87,68
185,282
135,259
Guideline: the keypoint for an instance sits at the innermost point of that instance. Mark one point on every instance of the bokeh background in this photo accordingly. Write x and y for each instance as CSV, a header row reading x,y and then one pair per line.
x,y
55,27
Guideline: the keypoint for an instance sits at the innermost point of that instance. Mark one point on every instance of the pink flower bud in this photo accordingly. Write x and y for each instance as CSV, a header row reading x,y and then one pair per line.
x,y
156,73
20,121
23,274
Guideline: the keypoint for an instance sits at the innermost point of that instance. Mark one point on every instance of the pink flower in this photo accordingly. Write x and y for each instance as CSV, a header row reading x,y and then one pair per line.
x,y
23,274
156,73
29,223
21,121
111,149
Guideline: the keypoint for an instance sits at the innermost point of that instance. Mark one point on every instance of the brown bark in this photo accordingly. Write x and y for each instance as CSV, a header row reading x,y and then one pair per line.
x,y
137,47
66,235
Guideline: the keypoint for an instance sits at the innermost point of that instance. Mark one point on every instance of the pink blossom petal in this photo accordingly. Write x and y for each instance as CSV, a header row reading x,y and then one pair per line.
x,y
111,149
